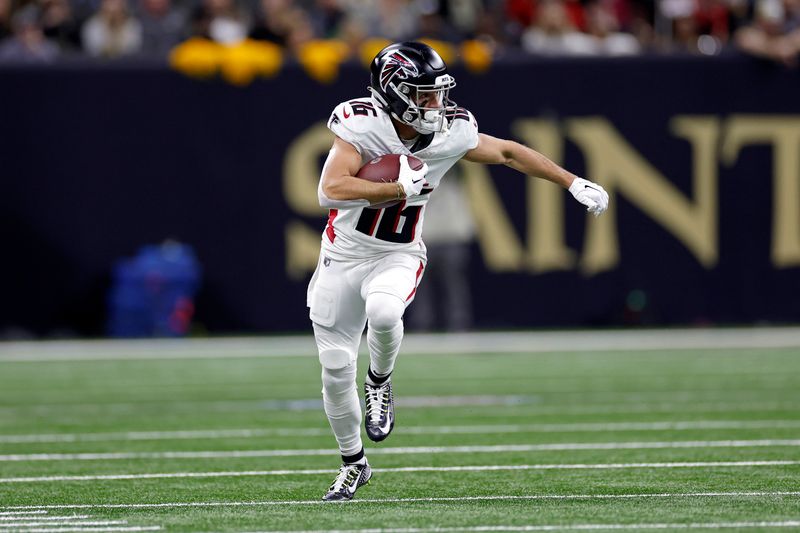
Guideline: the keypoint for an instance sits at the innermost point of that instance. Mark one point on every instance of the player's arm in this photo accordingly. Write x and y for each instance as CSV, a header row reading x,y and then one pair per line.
x,y
340,184
491,150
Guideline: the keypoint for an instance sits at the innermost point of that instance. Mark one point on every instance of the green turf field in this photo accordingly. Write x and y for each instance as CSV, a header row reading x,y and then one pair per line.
x,y
210,437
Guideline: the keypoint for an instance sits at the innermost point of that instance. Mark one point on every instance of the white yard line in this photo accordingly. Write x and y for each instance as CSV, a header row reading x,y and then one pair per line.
x,y
91,528
406,469
165,435
457,499
411,430
561,527
506,342
410,450
300,404
603,427
15,514
635,404
61,518
71,523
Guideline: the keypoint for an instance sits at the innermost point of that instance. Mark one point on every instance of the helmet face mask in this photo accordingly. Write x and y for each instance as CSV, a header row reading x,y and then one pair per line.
x,y
410,82
427,104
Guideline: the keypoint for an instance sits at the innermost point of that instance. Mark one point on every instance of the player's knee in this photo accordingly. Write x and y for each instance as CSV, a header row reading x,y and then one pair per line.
x,y
384,311
335,359
336,382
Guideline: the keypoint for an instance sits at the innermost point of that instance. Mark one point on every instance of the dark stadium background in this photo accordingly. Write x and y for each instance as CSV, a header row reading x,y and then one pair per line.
x,y
98,161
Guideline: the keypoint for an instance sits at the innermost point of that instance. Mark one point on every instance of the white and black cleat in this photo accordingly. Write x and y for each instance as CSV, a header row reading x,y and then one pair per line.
x,y
379,419
347,482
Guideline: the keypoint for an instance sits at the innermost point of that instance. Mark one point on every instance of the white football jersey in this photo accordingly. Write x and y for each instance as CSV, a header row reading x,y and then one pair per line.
x,y
360,232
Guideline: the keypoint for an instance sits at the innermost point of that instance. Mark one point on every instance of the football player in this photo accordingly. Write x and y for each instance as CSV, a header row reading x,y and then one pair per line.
x,y
372,260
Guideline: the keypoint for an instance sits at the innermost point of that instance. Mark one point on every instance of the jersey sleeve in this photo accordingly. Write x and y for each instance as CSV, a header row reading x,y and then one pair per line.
x,y
472,132
465,128
350,121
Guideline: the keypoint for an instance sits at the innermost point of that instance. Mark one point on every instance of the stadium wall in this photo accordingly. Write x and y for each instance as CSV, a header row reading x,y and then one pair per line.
x,y
701,158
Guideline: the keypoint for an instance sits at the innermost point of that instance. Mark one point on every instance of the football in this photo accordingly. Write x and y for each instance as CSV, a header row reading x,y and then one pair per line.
x,y
386,168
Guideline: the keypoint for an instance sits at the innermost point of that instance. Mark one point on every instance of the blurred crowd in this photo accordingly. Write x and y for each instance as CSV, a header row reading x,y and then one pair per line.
x,y
47,30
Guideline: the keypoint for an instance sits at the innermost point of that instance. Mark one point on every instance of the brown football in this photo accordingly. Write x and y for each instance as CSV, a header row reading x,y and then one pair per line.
x,y
386,168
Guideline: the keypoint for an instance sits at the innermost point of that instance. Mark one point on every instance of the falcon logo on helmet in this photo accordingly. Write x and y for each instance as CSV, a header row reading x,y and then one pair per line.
x,y
397,65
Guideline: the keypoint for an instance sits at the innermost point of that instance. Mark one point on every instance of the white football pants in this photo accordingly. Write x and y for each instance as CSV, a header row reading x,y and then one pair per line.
x,y
343,297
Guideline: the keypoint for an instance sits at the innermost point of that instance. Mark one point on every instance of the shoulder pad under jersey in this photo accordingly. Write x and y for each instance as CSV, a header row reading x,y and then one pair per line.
x,y
463,124
353,119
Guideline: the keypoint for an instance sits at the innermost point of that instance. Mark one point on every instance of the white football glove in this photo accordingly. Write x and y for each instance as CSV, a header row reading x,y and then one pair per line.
x,y
411,180
592,195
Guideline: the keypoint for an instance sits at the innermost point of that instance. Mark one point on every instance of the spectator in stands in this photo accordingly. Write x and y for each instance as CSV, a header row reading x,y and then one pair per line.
x,y
5,19
546,27
740,14
432,25
274,21
554,34
283,23
518,16
28,43
521,12
327,18
163,26
220,20
713,19
463,15
301,30
491,28
602,25
638,17
682,27
685,34
525,12
395,20
775,32
112,32
59,24
697,26
352,32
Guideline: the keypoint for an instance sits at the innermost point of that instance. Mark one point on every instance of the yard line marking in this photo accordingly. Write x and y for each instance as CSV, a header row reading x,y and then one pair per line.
x,y
413,344
71,517
410,450
405,469
70,523
165,435
738,494
604,427
411,430
312,404
15,513
661,407
75,529
559,527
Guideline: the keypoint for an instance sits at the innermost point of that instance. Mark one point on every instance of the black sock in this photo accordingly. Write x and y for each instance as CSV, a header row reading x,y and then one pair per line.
x,y
353,459
377,379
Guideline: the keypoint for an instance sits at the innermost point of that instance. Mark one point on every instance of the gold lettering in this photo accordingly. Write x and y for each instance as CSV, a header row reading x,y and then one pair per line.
x,y
547,247
301,170
613,163
783,133
300,178
502,250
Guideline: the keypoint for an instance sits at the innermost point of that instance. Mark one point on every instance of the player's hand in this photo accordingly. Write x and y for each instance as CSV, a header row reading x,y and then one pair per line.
x,y
592,195
411,180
